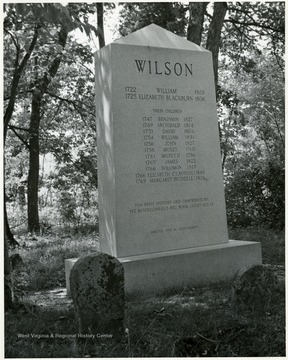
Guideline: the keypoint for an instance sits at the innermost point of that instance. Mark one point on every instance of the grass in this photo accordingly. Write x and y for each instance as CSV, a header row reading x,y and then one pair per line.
x,y
44,258
272,242
197,322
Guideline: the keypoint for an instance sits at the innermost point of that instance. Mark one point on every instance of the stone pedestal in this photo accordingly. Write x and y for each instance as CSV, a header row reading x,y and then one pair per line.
x,y
173,270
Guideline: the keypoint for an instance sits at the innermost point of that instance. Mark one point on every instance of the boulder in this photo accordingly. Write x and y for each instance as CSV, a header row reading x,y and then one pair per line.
x,y
255,288
97,290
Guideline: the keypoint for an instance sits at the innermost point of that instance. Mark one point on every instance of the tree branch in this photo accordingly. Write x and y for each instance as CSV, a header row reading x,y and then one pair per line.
x,y
253,23
91,72
60,98
18,128
74,103
19,93
13,38
73,163
241,32
18,136
43,83
55,113
16,63
15,81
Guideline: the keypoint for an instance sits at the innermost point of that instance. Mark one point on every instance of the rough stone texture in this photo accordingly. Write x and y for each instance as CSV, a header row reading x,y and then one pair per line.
x,y
255,288
97,289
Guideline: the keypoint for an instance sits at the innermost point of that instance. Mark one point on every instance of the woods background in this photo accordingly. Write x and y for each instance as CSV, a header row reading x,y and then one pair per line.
x,y
49,120
49,111
50,160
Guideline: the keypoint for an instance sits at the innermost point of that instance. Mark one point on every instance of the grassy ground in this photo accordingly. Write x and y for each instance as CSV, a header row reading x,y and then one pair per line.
x,y
197,322
272,242
44,257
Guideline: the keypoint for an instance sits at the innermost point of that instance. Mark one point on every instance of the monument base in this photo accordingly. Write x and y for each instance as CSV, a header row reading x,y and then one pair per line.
x,y
172,270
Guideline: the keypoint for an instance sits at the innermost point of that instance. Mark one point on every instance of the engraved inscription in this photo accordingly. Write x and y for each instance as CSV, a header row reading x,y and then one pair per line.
x,y
169,136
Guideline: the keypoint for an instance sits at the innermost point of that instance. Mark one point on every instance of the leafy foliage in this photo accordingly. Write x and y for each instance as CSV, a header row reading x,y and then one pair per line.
x,y
251,119
253,145
65,105
134,16
249,26
250,107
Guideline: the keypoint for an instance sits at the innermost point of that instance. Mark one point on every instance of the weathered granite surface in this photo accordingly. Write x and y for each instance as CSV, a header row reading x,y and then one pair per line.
x,y
97,289
255,288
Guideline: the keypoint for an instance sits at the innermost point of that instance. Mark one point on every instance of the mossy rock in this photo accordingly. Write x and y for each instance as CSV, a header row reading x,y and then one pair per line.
x,y
255,288
97,290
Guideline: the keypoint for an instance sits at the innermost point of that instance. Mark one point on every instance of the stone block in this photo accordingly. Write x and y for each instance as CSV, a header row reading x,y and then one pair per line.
x,y
173,270
97,289
255,288
148,275
159,162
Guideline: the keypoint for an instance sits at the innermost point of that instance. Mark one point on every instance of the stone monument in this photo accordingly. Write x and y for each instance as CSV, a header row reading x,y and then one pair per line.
x,y
97,289
161,195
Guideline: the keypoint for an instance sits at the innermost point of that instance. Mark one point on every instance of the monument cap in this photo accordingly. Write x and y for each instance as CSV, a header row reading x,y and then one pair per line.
x,y
155,36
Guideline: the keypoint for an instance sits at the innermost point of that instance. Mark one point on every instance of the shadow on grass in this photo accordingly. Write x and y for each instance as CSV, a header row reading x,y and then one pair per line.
x,y
198,322
194,322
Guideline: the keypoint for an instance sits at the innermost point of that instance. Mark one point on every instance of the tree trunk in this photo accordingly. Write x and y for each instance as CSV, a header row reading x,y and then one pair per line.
x,y
8,234
214,35
195,22
18,71
33,174
8,287
100,24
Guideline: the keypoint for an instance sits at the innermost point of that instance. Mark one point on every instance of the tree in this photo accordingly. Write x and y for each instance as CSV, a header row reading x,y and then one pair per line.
x,y
24,37
197,11
134,16
45,17
19,66
100,18
214,34
68,133
40,88
254,152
